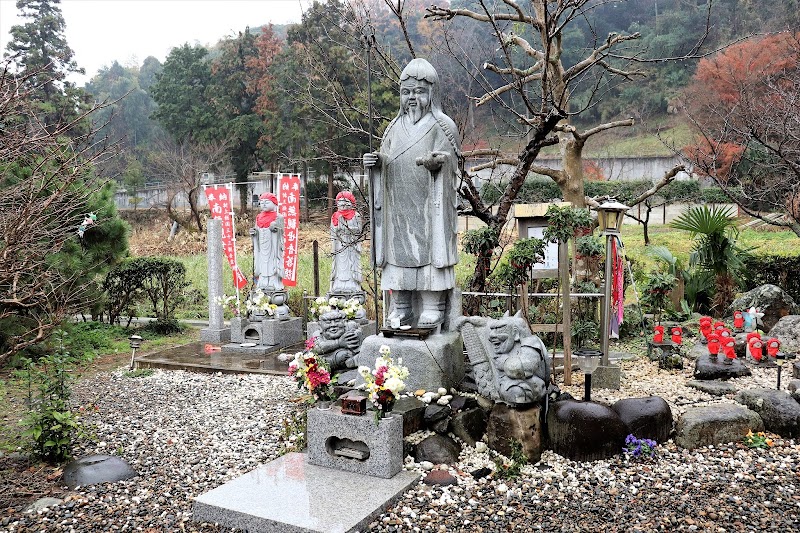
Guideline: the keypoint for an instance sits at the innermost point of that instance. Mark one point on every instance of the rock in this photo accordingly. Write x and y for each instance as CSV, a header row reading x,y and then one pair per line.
x,y
413,413
346,377
718,424
96,469
481,446
794,389
437,417
438,449
647,418
469,425
462,403
796,370
779,411
714,387
771,300
480,473
523,425
585,431
706,368
787,330
697,351
439,477
42,503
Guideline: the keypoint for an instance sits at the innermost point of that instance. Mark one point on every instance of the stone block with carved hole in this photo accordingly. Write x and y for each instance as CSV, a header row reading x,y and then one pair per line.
x,y
355,443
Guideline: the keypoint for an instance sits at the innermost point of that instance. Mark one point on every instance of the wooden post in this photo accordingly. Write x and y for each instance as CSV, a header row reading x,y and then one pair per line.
x,y
566,323
315,246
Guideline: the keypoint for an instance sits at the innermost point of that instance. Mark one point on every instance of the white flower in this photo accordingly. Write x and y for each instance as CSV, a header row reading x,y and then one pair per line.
x,y
384,350
333,302
394,384
364,371
321,301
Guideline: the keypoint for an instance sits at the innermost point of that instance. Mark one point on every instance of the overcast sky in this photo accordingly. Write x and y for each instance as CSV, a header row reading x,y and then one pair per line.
x,y
101,31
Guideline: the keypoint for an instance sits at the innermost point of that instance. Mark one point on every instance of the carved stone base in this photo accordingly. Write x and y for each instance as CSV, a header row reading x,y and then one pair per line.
x,y
216,336
437,361
266,333
355,443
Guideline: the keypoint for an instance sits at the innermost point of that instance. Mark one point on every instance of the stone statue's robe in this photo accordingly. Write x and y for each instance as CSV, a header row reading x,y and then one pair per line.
x,y
268,256
417,225
346,273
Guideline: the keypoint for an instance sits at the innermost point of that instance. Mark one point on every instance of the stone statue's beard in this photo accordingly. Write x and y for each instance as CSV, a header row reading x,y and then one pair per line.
x,y
415,113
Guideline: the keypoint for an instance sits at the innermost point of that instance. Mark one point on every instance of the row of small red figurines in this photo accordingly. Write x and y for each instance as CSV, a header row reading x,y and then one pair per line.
x,y
717,337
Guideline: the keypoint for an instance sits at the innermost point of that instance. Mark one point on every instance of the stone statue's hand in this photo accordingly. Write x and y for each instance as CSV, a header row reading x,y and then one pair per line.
x,y
350,339
372,159
433,161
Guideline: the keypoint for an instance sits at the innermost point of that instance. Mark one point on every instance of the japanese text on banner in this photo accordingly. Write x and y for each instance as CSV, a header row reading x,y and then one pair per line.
x,y
219,204
289,207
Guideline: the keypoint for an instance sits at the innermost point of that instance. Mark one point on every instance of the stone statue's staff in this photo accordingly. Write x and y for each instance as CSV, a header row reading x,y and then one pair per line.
x,y
374,210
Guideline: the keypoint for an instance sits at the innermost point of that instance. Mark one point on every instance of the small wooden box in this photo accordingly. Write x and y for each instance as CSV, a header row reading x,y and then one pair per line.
x,y
353,404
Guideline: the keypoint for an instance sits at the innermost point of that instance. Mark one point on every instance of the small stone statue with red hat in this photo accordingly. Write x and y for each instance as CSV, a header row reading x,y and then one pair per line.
x,y
268,271
738,320
346,236
658,334
677,335
756,348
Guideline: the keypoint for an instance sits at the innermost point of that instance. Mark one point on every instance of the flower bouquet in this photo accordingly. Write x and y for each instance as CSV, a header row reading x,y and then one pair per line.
x,y
259,304
229,304
352,308
385,382
312,373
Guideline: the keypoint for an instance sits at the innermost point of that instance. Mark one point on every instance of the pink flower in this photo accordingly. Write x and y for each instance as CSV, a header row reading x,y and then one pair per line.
x,y
310,343
293,366
318,376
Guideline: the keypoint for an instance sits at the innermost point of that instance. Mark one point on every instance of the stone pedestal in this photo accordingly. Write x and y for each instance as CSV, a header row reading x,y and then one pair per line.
x,y
355,443
266,334
523,425
437,361
606,377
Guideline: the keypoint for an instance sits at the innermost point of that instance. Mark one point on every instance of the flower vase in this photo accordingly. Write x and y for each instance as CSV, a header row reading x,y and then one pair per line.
x,y
324,405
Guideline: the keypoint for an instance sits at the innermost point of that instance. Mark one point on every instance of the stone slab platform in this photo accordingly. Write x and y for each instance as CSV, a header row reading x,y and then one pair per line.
x,y
192,357
290,495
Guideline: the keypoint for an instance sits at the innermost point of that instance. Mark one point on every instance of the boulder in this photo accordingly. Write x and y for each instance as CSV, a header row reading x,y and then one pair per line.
x,y
412,410
469,425
437,449
96,469
437,417
718,424
462,403
796,370
779,411
713,387
521,424
707,368
43,503
439,477
787,330
771,300
697,351
646,418
585,431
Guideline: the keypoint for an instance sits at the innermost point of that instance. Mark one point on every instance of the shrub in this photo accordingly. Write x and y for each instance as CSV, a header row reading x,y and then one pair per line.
x,y
774,269
157,280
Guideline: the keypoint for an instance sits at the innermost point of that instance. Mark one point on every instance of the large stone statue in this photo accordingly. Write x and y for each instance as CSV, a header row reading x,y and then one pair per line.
x,y
346,246
415,200
338,341
509,363
268,245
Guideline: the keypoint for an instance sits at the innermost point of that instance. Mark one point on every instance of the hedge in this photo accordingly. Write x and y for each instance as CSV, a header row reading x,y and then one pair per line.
x,y
775,269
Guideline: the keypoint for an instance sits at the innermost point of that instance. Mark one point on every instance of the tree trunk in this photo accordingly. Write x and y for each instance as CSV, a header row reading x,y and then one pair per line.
x,y
572,186
193,208
645,225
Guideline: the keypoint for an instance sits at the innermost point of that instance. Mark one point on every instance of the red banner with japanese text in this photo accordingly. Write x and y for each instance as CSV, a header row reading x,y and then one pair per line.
x,y
289,207
221,207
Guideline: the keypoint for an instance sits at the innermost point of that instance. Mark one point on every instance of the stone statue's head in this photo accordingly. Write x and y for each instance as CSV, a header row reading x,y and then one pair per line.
x,y
506,332
268,202
419,90
345,200
333,324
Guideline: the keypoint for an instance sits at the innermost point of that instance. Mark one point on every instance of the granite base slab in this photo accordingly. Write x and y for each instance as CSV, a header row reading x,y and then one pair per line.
x,y
216,336
291,495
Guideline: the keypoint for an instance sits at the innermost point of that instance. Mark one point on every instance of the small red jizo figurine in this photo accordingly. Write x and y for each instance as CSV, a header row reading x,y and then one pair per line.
x,y
724,333
773,346
713,344
676,335
705,326
729,348
738,320
658,335
753,334
719,325
756,348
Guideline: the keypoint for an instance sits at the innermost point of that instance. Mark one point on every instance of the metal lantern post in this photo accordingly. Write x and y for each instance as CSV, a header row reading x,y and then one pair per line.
x,y
588,360
610,215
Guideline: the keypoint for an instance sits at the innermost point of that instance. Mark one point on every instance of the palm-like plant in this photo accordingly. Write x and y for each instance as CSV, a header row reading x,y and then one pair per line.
x,y
714,232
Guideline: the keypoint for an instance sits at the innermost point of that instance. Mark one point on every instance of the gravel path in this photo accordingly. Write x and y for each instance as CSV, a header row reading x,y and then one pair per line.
x,y
188,433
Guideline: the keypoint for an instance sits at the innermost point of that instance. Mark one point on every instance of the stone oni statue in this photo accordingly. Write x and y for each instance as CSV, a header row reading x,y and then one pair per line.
x,y
414,178
268,245
346,273
509,363
338,341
